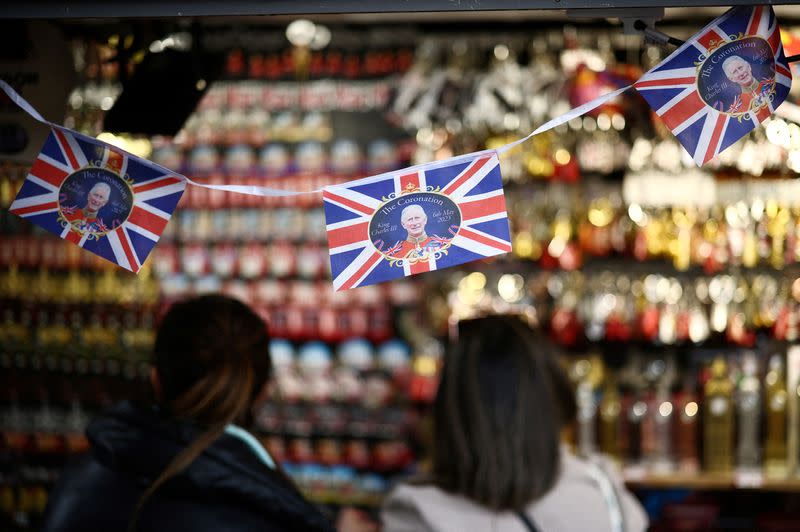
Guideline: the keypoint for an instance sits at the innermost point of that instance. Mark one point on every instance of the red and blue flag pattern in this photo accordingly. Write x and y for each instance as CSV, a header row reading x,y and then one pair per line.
x,y
416,220
99,197
722,83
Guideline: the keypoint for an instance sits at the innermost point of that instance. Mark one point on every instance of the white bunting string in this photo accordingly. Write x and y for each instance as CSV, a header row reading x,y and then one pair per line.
x,y
22,102
240,189
566,117
254,190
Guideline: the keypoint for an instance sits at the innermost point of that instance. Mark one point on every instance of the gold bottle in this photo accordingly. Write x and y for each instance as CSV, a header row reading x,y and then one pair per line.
x,y
686,430
748,403
588,374
681,247
777,227
794,449
610,409
777,399
750,251
793,410
663,458
718,420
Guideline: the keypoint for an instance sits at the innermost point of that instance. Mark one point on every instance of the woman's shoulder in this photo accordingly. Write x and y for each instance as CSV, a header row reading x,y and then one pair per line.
x,y
88,496
598,484
420,491
423,506
577,467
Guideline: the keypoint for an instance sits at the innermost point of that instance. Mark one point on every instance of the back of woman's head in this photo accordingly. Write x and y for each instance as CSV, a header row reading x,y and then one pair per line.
x,y
498,413
212,358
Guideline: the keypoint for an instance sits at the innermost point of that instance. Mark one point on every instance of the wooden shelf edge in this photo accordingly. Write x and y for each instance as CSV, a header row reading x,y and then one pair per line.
x,y
713,481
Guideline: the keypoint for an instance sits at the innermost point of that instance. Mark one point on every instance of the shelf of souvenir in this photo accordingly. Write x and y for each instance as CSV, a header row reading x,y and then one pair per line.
x,y
653,412
74,336
341,422
750,224
631,308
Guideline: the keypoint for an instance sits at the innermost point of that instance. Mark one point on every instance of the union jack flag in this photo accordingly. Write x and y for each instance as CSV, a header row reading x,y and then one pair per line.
x,y
465,219
149,195
695,90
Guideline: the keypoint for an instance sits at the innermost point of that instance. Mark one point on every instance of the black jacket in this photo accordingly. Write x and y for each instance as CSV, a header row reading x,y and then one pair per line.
x,y
227,488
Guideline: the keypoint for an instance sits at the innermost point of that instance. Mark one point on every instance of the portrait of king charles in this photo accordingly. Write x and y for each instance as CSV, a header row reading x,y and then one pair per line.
x,y
85,219
418,245
753,93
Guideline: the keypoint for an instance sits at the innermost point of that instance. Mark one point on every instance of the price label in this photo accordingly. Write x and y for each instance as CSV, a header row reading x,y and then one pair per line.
x,y
749,479
634,473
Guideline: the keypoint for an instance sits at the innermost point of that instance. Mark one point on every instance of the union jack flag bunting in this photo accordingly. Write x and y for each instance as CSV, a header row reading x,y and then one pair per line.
x,y
416,220
99,197
721,83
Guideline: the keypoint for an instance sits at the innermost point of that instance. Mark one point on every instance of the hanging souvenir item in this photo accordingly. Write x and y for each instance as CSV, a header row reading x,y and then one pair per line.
x,y
721,83
416,220
98,197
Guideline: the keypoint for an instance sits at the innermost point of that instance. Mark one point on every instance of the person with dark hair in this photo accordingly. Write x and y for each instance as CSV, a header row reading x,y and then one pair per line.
x,y
497,462
186,463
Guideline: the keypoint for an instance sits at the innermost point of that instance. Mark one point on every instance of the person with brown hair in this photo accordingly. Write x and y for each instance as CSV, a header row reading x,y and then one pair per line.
x,y
185,462
497,461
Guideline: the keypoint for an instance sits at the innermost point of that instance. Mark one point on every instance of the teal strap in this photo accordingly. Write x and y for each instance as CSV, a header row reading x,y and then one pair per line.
x,y
250,441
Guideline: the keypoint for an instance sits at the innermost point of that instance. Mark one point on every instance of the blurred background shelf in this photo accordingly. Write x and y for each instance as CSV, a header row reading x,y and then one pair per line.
x,y
712,482
646,283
